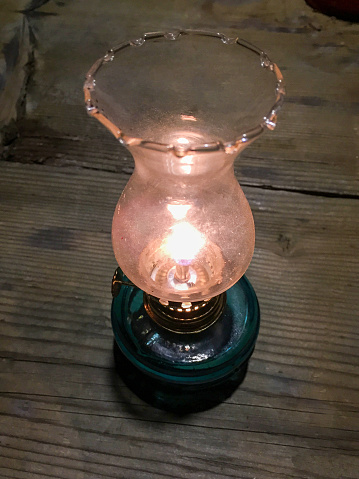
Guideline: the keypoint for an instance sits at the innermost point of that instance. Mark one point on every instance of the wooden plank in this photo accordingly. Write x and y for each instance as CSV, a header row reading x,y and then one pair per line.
x,y
63,411
316,144
16,58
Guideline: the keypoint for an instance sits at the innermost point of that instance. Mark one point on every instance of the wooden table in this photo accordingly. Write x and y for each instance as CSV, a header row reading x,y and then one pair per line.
x,y
64,411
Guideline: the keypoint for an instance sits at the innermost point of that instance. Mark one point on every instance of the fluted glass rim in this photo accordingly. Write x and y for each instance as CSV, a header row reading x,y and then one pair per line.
x,y
232,146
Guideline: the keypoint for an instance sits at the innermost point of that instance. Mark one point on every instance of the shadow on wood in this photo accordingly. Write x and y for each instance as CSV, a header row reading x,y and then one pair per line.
x,y
180,400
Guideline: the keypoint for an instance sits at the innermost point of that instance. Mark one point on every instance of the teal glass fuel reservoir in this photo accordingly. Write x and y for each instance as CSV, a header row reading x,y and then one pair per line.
x,y
185,104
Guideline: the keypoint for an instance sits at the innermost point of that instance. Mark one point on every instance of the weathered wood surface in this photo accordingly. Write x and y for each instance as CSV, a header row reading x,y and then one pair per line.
x,y
316,146
63,408
63,411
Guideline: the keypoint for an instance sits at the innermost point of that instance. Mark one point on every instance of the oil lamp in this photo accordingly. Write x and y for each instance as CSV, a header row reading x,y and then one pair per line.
x,y
185,104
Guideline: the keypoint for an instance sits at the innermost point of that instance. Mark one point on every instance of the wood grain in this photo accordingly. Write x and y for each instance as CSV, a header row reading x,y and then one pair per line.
x,y
64,413
316,144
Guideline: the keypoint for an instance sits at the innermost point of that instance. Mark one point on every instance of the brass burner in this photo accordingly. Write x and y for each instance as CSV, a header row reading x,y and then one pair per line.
x,y
185,318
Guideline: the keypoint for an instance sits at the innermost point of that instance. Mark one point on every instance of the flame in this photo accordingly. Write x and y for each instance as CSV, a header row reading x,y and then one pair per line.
x,y
178,210
184,243
183,141
188,117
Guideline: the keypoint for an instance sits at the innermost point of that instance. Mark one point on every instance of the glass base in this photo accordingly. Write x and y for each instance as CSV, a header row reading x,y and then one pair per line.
x,y
184,372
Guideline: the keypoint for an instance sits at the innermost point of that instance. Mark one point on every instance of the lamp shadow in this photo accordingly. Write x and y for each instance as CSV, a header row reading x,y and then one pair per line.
x,y
180,400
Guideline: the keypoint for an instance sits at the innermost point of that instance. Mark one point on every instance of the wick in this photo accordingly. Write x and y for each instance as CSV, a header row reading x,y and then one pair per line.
x,y
182,273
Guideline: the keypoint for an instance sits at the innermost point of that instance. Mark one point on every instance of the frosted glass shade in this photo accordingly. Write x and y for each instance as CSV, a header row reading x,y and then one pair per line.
x,y
183,214
185,104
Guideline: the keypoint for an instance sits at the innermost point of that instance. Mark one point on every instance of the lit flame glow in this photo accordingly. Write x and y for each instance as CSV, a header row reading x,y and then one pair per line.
x,y
184,243
178,211
183,141
188,117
